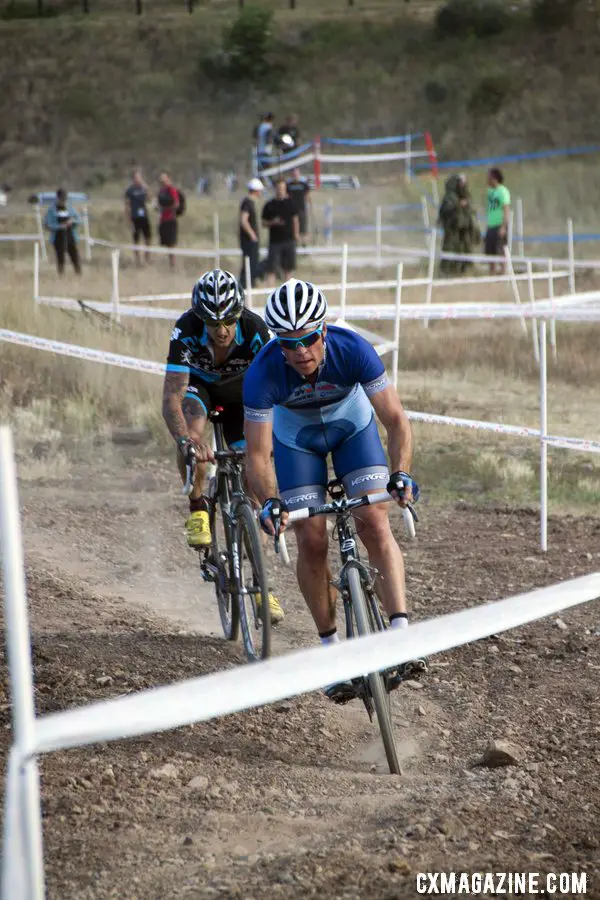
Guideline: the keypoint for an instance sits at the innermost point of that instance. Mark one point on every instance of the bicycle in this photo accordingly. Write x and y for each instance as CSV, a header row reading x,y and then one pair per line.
x,y
361,605
234,560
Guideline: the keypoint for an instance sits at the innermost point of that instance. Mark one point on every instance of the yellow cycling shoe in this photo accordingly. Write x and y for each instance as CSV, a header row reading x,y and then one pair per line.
x,y
275,608
197,529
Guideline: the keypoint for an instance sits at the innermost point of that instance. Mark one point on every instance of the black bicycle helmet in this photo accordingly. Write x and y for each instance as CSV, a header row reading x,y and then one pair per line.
x,y
217,297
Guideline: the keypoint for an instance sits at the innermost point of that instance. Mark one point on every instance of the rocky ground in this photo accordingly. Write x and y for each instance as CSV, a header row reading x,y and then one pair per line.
x,y
293,800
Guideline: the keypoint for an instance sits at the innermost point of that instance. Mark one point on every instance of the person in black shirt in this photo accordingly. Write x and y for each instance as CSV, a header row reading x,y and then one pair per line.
x,y
280,217
249,236
299,191
289,128
136,212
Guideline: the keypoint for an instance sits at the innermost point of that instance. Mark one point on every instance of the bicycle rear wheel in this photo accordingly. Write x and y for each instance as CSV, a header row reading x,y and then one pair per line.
x,y
253,596
221,561
375,679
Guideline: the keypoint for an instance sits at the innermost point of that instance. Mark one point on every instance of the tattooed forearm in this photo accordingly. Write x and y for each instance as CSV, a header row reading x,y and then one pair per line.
x,y
174,389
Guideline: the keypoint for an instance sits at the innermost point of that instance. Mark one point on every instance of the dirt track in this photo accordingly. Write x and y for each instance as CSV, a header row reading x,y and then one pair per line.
x,y
292,800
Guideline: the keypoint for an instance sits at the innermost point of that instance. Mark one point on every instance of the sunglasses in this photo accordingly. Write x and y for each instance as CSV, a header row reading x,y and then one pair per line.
x,y
296,343
227,322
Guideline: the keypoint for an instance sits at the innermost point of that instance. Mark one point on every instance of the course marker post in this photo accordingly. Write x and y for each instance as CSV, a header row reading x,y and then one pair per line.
x,y
23,866
396,351
425,212
317,162
86,233
520,227
514,284
430,270
248,277
378,223
36,272
115,298
216,240
40,229
343,282
543,443
571,244
552,321
407,166
531,292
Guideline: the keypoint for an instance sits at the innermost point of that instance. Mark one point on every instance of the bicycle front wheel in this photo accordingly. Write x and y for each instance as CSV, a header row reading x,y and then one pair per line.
x,y
375,680
220,530
253,586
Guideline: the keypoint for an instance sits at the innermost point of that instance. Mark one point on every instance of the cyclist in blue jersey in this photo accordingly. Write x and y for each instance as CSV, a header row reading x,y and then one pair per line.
x,y
211,348
311,392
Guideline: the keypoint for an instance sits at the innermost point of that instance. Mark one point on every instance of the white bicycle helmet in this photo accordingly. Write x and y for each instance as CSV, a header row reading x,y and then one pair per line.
x,y
217,297
294,306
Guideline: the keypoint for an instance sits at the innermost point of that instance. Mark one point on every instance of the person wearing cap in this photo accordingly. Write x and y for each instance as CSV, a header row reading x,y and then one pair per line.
x,y
249,235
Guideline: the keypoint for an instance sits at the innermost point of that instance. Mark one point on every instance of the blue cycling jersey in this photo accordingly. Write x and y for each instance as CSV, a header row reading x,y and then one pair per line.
x,y
316,417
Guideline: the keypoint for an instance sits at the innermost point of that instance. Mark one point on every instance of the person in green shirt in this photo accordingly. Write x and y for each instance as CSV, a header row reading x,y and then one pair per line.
x,y
498,213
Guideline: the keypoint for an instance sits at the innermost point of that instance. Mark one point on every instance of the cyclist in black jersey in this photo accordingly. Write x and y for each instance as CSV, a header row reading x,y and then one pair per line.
x,y
212,346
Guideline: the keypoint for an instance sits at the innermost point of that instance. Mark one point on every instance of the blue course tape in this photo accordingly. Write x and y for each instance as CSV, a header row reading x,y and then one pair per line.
x,y
370,142
541,154
274,158
555,238
383,228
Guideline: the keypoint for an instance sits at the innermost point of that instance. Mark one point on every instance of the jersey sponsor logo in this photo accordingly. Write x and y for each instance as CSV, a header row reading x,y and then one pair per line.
x,y
302,497
175,333
374,476
257,413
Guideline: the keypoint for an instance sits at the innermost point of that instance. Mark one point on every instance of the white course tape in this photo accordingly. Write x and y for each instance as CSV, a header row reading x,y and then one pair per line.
x,y
246,687
369,157
567,443
18,237
87,353
286,165
145,365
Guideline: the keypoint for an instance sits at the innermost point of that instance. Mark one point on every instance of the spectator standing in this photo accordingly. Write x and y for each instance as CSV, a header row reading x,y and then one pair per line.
x,y
62,221
264,140
249,235
168,203
498,217
299,190
280,217
457,218
136,212
290,128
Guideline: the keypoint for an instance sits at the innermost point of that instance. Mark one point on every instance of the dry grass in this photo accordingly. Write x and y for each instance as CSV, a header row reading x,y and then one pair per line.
x,y
471,369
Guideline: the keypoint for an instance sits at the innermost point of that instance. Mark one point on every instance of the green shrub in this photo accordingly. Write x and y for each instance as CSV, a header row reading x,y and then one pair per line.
x,y
461,18
18,9
248,42
553,13
490,94
436,91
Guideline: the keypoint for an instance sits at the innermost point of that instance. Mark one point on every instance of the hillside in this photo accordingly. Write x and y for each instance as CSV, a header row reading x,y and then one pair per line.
x,y
85,97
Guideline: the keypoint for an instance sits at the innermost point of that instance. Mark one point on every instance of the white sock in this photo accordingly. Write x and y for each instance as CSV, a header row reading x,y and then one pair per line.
x,y
399,622
330,639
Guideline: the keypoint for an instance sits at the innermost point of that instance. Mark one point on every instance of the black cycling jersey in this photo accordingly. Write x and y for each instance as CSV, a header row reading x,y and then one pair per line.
x,y
191,351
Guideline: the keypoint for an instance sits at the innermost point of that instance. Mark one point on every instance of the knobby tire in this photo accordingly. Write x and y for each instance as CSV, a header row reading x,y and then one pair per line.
x,y
257,640
226,600
375,679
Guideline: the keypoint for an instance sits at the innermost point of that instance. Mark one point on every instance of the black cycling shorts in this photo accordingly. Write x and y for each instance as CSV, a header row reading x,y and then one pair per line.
x,y
141,228
228,396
